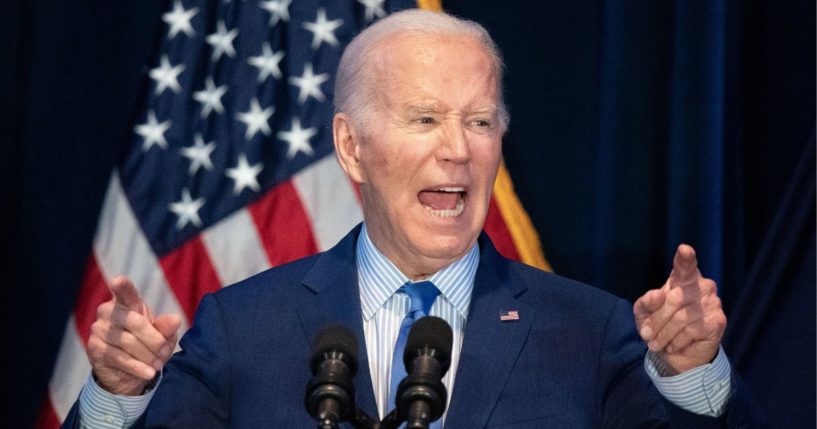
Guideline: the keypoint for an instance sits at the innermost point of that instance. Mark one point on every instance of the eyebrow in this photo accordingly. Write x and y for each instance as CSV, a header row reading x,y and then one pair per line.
x,y
433,107
423,107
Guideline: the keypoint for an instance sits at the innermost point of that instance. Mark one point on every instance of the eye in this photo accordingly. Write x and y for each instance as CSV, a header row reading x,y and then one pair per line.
x,y
482,123
425,120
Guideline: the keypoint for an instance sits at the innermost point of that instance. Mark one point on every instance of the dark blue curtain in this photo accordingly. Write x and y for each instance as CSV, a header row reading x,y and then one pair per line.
x,y
636,125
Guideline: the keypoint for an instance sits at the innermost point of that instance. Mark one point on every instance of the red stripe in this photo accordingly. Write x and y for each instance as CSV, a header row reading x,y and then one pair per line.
x,y
499,233
93,292
190,274
47,418
283,225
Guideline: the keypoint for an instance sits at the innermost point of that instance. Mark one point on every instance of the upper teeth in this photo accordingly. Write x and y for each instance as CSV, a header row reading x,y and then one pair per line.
x,y
450,190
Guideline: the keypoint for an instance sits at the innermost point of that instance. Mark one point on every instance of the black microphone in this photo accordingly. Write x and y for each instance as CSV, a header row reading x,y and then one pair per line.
x,y
330,394
421,396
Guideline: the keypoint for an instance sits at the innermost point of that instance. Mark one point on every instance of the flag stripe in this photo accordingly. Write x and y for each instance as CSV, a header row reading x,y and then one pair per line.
x,y
120,247
93,292
496,229
235,249
70,372
330,200
283,226
46,418
190,273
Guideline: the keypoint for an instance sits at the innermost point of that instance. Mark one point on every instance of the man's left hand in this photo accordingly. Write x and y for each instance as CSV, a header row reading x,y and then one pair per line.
x,y
683,321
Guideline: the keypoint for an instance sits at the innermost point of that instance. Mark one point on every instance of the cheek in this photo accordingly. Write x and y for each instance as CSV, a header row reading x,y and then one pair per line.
x,y
486,159
387,175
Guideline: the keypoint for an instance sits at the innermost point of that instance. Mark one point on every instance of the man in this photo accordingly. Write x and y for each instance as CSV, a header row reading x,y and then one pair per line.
x,y
419,124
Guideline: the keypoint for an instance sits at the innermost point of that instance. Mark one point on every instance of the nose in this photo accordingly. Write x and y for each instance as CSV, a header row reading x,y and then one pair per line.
x,y
455,146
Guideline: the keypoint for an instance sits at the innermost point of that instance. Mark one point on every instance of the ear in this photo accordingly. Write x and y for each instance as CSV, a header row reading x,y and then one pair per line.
x,y
347,147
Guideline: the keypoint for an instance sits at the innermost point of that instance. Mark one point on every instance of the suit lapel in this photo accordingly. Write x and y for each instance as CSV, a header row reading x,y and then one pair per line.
x,y
336,300
490,346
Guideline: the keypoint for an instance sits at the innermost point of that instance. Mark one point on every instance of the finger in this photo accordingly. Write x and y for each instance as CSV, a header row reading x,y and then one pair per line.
x,y
684,267
111,356
141,328
709,327
649,303
173,341
126,295
657,320
127,342
168,324
682,340
680,321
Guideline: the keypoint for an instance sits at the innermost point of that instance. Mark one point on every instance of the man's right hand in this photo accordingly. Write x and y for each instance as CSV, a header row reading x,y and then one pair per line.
x,y
128,345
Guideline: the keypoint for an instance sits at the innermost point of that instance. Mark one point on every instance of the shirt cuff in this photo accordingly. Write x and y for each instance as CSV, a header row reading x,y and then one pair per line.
x,y
99,408
703,390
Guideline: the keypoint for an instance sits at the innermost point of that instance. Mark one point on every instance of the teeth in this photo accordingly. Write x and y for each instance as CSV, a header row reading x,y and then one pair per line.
x,y
447,213
451,190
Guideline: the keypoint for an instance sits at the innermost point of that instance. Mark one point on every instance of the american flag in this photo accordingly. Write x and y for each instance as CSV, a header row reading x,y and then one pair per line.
x,y
231,167
507,316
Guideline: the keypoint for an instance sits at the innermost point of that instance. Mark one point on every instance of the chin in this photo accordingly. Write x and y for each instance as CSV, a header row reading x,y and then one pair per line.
x,y
447,246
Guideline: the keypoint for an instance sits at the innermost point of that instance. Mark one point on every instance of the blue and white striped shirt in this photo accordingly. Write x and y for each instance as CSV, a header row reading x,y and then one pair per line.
x,y
704,390
384,309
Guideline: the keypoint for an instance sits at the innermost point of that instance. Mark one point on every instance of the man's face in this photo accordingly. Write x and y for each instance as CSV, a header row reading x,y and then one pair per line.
x,y
427,160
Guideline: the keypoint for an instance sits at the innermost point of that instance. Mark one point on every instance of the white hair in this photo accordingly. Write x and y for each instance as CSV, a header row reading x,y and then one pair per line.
x,y
354,83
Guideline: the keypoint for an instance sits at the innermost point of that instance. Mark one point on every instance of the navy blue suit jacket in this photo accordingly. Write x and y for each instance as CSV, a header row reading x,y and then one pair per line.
x,y
573,359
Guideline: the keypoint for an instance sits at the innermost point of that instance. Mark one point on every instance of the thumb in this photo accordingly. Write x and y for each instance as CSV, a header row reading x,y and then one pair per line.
x,y
167,324
125,294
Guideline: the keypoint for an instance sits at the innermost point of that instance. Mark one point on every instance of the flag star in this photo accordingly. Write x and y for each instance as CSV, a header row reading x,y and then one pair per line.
x,y
222,41
267,63
309,84
153,132
210,98
166,76
278,9
199,154
187,210
323,30
245,175
256,119
297,138
179,19
373,8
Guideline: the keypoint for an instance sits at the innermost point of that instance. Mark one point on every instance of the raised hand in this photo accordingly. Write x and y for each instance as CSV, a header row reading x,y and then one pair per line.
x,y
683,321
128,345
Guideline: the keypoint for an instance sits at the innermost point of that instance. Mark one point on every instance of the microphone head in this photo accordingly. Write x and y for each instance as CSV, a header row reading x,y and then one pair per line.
x,y
429,335
338,339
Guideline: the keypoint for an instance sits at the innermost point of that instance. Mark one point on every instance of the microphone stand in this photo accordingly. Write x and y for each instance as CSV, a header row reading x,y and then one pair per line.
x,y
391,421
361,420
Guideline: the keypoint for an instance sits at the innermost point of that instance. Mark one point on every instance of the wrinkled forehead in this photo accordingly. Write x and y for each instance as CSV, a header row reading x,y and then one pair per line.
x,y
409,57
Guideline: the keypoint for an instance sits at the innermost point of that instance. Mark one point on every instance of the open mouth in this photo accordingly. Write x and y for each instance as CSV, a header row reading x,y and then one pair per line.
x,y
443,202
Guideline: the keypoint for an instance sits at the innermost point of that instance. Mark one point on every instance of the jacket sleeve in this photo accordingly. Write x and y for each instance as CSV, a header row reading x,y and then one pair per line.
x,y
195,387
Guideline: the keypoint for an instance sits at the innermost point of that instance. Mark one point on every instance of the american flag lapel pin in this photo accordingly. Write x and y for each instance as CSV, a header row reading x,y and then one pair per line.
x,y
507,316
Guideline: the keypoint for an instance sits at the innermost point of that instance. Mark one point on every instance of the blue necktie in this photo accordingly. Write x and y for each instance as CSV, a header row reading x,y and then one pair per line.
x,y
421,296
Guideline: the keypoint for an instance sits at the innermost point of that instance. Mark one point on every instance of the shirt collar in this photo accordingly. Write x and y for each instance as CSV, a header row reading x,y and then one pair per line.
x,y
379,278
